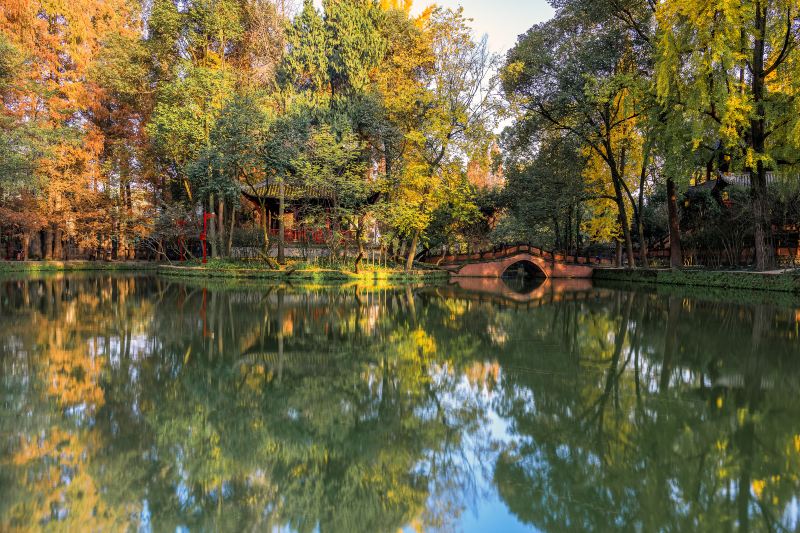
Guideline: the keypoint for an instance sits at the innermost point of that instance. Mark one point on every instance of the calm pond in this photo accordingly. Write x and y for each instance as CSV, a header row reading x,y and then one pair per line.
x,y
144,403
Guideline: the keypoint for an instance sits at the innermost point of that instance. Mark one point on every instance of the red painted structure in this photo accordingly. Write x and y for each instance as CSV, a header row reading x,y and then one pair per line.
x,y
493,264
204,235
305,235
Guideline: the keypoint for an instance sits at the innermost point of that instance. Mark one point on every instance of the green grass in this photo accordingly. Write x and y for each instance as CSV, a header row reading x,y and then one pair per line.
x,y
313,272
74,266
748,280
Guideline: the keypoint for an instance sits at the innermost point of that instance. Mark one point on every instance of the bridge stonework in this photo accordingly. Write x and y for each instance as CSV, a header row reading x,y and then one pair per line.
x,y
495,263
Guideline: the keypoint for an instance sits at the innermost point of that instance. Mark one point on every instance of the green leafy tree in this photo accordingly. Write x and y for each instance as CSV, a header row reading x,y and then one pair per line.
x,y
729,63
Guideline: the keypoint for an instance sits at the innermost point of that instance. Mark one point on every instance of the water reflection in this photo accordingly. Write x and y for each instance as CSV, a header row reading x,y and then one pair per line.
x,y
142,402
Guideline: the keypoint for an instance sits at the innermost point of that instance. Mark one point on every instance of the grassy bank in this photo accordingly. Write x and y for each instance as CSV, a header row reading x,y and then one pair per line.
x,y
301,272
294,271
760,281
709,294
75,266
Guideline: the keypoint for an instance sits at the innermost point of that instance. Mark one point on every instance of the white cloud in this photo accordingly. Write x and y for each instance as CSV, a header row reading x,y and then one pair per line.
x,y
502,20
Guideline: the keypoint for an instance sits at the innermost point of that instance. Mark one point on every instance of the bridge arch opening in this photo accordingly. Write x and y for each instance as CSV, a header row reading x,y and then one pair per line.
x,y
524,276
524,268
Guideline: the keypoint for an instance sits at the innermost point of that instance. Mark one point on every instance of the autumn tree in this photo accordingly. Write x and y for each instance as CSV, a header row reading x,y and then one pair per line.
x,y
571,77
733,63
451,118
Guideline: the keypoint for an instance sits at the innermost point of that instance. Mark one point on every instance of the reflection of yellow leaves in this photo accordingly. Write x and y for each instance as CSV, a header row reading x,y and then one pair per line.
x,y
415,525
797,443
741,416
758,487
42,461
456,309
485,375
424,341
74,378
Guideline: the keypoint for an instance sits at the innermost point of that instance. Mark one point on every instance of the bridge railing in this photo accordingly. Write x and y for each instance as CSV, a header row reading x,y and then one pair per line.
x,y
501,252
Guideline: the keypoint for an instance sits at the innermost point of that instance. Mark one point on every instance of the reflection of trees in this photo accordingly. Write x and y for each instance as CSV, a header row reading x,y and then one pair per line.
x,y
136,399
669,407
50,436
230,409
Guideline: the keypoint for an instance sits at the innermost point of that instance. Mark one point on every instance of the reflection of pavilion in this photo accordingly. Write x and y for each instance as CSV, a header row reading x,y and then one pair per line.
x,y
301,332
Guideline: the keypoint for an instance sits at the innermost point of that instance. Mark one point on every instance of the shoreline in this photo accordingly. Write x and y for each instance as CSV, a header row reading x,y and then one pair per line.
x,y
316,275
781,281
75,266
218,272
787,281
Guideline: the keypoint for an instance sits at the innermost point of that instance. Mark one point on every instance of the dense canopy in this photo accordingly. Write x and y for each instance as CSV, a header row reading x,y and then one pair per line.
x,y
124,121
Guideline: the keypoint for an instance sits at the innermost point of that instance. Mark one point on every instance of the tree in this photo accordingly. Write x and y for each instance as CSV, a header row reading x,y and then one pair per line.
x,y
335,163
571,77
454,114
545,194
733,61
55,95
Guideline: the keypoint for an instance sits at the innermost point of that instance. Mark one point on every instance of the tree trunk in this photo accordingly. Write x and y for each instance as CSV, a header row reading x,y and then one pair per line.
x,y
758,136
265,228
557,231
26,243
122,248
35,245
675,251
623,219
765,259
412,251
229,244
567,232
618,253
128,210
221,229
642,244
212,229
58,244
359,242
640,209
47,251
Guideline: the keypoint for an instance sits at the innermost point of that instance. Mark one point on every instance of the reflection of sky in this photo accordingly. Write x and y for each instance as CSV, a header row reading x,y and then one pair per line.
x,y
492,514
484,509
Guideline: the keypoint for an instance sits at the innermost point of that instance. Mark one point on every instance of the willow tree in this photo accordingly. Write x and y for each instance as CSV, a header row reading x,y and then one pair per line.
x,y
736,65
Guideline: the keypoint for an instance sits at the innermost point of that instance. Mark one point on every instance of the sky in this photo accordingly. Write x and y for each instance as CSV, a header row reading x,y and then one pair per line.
x,y
501,20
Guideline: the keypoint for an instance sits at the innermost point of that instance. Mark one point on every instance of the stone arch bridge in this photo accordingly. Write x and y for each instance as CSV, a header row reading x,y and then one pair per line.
x,y
495,263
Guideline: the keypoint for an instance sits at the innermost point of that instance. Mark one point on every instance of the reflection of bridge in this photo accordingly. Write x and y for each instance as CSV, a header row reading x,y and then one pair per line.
x,y
495,263
498,292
